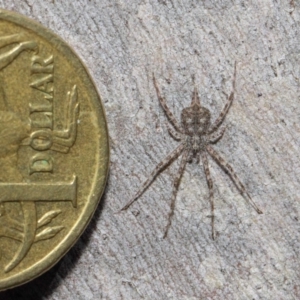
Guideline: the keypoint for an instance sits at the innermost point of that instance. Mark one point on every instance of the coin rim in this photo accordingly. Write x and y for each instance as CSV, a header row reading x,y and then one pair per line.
x,y
72,237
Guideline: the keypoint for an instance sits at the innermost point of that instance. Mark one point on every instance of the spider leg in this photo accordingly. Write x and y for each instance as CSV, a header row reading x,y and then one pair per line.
x,y
166,109
175,189
225,110
159,168
211,192
229,170
217,135
173,133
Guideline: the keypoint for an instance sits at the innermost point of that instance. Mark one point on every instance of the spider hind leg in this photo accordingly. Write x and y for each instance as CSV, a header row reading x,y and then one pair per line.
x,y
183,162
211,192
158,169
229,170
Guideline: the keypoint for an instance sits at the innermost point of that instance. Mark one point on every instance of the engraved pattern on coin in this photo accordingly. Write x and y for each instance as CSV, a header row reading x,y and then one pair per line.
x,y
15,132
196,134
54,150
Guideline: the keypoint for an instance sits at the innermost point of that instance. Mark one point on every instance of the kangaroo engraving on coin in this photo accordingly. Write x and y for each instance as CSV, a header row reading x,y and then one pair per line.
x,y
53,149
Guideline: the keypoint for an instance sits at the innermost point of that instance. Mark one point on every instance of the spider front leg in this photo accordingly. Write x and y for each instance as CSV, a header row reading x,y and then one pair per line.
x,y
216,136
229,170
183,162
225,110
159,168
166,109
173,133
211,192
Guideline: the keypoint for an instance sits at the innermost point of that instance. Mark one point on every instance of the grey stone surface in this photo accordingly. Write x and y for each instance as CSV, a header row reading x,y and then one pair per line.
x,y
123,256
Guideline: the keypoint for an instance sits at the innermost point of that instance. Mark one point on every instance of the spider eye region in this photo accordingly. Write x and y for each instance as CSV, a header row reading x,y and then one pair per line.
x,y
195,121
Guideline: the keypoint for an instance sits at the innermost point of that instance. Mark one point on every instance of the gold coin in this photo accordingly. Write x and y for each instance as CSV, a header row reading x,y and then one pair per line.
x,y
54,149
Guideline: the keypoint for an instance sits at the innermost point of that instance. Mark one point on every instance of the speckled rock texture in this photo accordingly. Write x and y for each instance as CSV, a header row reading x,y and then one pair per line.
x,y
123,256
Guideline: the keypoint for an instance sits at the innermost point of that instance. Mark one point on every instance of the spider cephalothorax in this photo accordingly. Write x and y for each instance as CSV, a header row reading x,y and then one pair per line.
x,y
196,135
195,119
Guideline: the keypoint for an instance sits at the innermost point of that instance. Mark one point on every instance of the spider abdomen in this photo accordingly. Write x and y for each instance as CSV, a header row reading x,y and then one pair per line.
x,y
196,143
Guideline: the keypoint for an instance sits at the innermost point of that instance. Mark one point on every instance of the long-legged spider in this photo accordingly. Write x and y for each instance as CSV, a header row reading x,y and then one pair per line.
x,y
196,135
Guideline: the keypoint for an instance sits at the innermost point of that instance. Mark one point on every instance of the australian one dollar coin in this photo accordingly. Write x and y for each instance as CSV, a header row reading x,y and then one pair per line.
x,y
53,149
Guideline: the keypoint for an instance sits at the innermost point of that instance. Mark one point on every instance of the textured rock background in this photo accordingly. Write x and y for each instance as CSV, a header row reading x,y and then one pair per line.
x,y
122,256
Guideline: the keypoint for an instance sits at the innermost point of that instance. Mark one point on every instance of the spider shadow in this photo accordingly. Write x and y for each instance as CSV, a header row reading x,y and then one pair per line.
x,y
44,285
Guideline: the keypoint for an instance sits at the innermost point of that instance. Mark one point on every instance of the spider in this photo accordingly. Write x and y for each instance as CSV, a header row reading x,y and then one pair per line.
x,y
195,134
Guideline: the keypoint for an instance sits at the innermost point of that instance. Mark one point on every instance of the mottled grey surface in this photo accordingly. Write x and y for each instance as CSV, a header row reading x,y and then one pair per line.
x,y
122,256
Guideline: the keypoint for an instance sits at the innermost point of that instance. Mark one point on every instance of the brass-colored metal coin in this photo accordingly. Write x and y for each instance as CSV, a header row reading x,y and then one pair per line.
x,y
54,149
